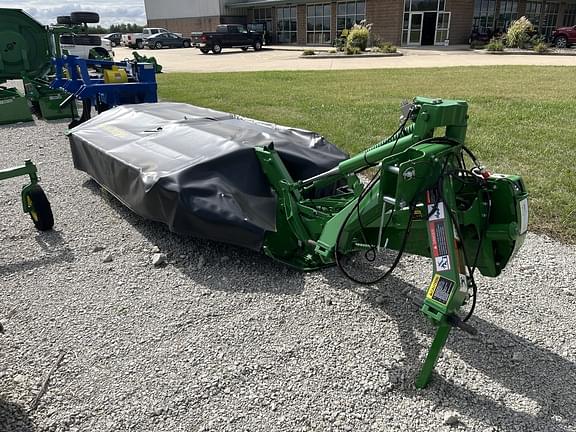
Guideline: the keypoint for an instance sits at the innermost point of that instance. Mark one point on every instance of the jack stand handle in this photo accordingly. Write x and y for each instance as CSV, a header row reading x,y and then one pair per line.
x,y
66,101
456,321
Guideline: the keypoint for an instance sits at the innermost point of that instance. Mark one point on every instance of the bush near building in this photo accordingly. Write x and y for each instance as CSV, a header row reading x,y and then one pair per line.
x,y
519,33
358,36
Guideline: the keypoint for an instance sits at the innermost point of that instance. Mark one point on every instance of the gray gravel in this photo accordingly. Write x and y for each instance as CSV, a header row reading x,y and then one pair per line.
x,y
218,338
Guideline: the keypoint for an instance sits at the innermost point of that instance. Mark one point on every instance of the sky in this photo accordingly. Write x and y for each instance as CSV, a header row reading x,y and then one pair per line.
x,y
111,12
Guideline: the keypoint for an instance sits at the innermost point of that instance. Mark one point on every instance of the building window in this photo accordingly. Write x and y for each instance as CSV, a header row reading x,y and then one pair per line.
x,y
508,12
287,28
549,19
348,14
263,16
318,19
533,12
570,15
262,21
484,12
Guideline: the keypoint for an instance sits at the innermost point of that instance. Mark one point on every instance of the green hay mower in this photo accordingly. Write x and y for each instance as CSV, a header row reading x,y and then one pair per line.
x,y
34,200
231,179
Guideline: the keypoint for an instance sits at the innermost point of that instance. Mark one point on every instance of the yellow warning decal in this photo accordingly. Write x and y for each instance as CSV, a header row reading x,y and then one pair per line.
x,y
440,289
433,285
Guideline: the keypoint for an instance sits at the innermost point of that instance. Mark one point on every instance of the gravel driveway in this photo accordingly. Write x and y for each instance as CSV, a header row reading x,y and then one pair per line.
x,y
224,339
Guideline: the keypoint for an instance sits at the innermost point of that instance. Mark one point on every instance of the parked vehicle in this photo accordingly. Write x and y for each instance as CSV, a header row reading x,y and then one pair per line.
x,y
137,40
563,37
195,38
86,46
262,28
169,40
229,36
114,38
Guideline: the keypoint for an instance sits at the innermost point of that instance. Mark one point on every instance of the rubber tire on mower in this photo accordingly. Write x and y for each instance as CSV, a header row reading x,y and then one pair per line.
x,y
217,49
41,212
64,20
84,17
561,42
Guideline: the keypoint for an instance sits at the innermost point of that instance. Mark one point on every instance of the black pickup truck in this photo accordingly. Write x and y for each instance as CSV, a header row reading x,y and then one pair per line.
x,y
227,36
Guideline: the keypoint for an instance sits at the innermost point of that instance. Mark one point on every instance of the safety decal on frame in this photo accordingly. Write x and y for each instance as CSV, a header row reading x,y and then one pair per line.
x,y
442,263
440,289
439,240
436,211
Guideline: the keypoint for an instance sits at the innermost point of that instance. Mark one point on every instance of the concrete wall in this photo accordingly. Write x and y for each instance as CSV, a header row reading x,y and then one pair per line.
x,y
386,17
186,25
301,24
168,9
460,20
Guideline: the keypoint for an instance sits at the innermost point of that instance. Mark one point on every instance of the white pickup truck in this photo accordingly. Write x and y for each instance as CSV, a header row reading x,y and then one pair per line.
x,y
86,46
136,40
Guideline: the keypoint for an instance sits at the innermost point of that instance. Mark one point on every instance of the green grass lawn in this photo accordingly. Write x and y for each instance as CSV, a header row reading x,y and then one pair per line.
x,y
522,119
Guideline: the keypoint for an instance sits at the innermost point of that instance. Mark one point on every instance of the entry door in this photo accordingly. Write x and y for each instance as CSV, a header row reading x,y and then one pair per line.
x,y
415,28
442,27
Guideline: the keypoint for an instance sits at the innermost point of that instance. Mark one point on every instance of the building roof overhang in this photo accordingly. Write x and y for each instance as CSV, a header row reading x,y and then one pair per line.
x,y
248,3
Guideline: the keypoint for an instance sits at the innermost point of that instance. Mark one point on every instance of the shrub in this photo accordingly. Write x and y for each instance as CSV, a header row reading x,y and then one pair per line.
x,y
340,42
476,44
495,45
387,47
351,50
308,52
519,33
358,36
540,47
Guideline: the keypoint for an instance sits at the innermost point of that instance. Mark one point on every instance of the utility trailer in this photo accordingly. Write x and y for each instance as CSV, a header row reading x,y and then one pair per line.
x,y
294,196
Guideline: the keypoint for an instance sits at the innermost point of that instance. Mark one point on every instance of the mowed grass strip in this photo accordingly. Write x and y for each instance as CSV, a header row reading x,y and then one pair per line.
x,y
522,118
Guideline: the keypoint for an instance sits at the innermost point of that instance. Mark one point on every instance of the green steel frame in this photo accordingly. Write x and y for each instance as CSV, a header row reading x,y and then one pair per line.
x,y
420,202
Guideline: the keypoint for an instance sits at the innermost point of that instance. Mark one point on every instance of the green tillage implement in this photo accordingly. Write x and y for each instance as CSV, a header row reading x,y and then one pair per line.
x,y
143,59
13,106
34,201
26,47
422,200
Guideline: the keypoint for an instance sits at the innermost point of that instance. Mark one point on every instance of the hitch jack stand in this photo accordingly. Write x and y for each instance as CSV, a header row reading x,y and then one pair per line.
x,y
438,343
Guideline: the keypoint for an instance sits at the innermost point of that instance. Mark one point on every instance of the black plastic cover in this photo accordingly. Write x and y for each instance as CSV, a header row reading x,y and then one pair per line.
x,y
195,169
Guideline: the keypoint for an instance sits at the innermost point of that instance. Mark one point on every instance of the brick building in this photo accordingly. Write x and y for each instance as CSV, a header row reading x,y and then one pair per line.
x,y
402,22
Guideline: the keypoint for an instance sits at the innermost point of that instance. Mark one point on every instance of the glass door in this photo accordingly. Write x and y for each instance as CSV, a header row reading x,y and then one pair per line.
x,y
442,27
415,28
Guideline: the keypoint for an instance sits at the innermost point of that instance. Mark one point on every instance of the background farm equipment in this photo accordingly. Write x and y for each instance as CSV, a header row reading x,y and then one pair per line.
x,y
301,201
27,52
27,47
144,59
117,83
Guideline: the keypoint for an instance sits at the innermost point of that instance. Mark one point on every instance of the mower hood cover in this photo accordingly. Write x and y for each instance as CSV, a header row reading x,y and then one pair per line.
x,y
195,169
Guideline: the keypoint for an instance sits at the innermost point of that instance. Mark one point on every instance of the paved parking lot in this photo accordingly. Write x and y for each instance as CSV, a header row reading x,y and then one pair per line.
x,y
235,60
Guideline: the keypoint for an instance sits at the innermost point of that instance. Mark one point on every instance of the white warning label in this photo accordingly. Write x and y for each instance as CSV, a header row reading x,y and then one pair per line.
x,y
438,211
442,263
